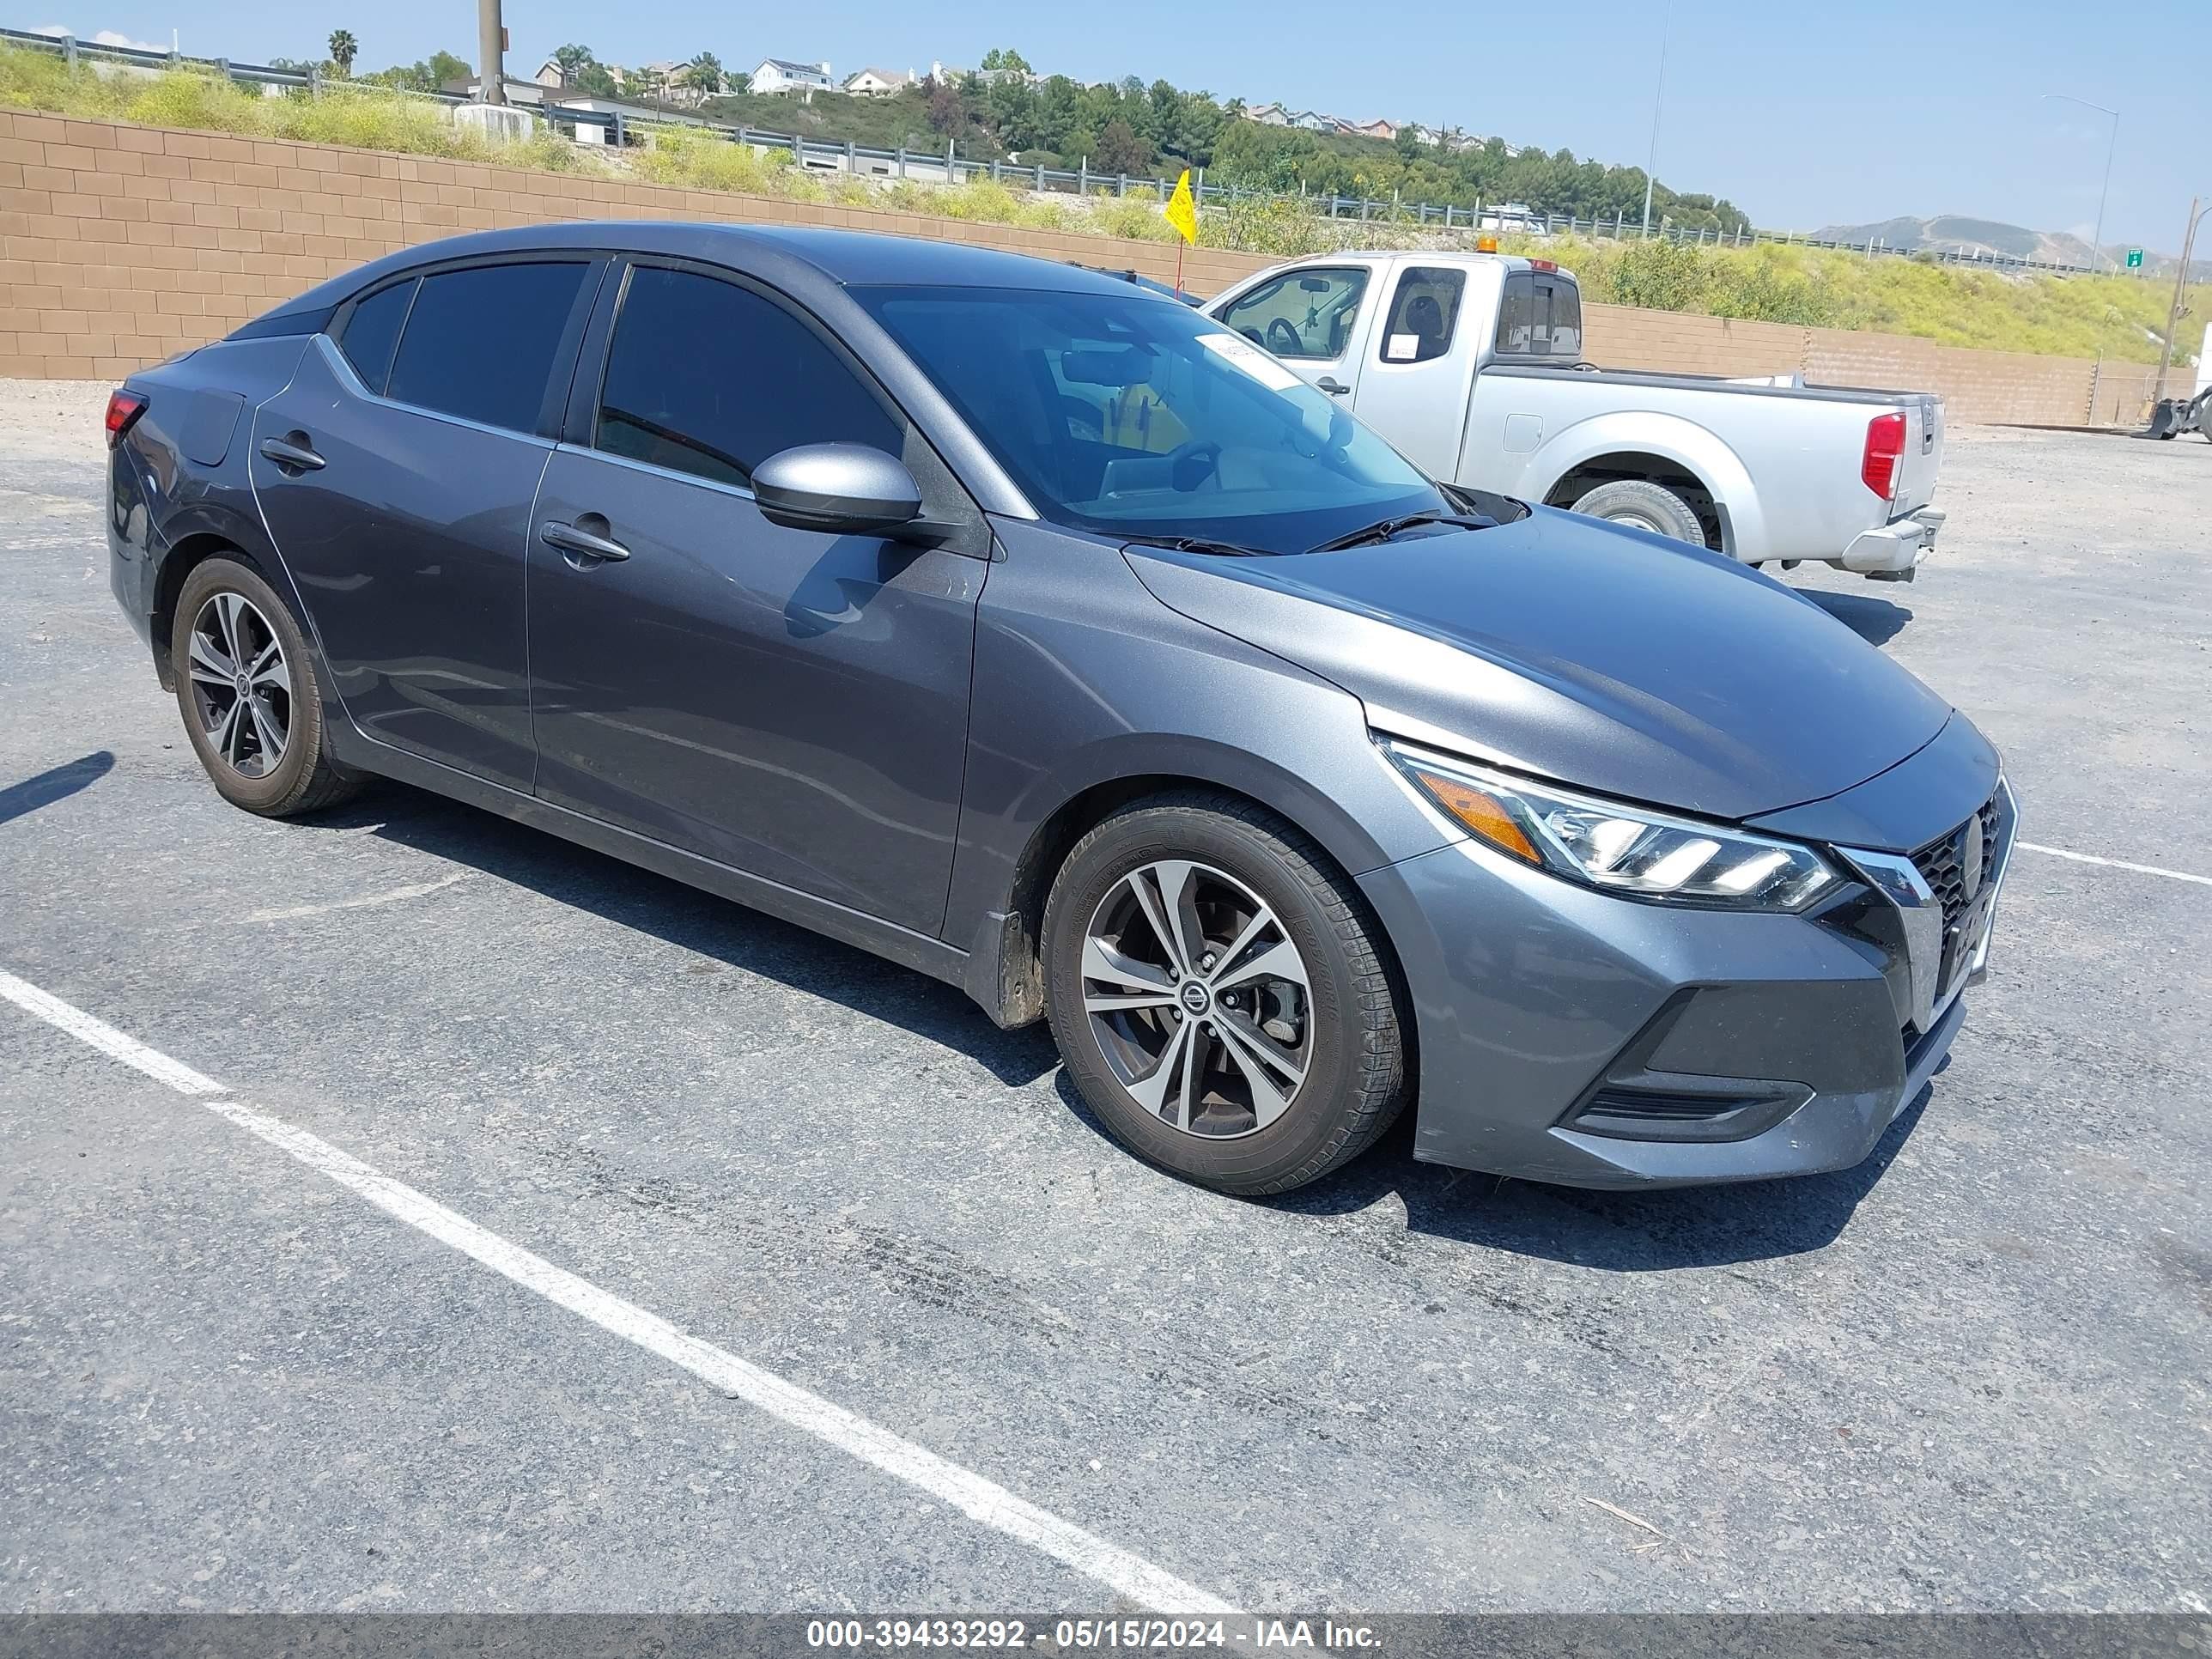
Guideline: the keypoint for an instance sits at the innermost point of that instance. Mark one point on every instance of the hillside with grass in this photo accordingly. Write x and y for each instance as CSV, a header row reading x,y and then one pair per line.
x,y
2112,317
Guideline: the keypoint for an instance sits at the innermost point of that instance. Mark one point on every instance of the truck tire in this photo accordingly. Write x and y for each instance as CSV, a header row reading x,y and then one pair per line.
x,y
1644,505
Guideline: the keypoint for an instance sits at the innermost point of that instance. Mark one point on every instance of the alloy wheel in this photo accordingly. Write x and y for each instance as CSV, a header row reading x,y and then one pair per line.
x,y
1198,998
241,684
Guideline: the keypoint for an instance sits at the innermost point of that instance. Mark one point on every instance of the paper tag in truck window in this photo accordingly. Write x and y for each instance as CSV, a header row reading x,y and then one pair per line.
x,y
1402,348
1249,358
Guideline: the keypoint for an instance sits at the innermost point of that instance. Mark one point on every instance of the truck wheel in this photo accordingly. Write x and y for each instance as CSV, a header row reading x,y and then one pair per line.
x,y
1644,505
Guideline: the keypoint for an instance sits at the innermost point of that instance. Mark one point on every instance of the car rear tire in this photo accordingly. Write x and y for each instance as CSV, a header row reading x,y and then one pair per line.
x,y
1644,506
1275,984
246,686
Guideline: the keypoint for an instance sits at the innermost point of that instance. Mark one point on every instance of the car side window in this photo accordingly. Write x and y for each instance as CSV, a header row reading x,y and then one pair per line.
x,y
1424,312
373,331
709,378
1302,313
480,341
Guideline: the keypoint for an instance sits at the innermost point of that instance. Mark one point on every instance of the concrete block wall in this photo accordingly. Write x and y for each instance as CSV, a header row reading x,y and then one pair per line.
x,y
122,245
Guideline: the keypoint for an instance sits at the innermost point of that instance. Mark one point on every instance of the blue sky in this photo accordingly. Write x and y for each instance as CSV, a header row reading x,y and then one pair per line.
x,y
1801,113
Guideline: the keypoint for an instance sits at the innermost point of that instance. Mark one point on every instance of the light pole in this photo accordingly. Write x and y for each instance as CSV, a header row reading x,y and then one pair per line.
x,y
2097,244
2173,311
1658,99
491,47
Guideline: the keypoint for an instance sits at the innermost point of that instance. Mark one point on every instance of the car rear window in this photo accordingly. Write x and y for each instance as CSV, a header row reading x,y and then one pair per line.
x,y
480,341
373,331
1540,315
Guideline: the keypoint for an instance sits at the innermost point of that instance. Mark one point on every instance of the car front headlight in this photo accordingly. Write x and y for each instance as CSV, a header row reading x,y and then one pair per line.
x,y
1615,847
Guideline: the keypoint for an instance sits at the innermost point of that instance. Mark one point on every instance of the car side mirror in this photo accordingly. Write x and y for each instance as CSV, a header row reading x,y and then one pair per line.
x,y
841,490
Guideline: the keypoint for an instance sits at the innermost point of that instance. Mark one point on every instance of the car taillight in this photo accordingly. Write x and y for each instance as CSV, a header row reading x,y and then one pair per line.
x,y
123,407
1885,444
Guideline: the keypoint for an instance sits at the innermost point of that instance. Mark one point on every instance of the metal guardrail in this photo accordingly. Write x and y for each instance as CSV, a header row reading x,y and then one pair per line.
x,y
866,161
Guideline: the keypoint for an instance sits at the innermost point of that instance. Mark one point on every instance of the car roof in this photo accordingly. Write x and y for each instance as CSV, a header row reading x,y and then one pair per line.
x,y
848,259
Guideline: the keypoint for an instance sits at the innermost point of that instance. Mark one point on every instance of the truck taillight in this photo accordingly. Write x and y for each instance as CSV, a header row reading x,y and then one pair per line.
x,y
123,407
1885,445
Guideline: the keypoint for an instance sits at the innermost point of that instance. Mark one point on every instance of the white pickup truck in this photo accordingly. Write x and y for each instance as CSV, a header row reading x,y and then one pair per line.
x,y
1471,364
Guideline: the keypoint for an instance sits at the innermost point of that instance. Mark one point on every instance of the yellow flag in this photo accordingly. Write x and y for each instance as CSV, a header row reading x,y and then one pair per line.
x,y
1181,211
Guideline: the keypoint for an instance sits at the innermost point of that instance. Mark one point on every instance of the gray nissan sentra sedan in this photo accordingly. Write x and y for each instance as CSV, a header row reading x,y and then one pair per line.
x,y
1043,634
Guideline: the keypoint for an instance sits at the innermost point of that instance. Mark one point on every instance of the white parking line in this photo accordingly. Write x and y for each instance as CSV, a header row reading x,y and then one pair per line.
x,y
980,1499
2115,864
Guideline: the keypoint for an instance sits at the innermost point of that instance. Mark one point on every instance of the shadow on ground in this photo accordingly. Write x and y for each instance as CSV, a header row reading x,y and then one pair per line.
x,y
697,922
1622,1232
1876,621
57,783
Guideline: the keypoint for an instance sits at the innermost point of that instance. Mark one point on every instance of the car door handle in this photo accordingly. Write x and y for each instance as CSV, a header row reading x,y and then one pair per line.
x,y
286,452
581,543
1331,385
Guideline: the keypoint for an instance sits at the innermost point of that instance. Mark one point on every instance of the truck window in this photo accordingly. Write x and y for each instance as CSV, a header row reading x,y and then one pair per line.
x,y
1423,314
1540,315
1559,316
1302,313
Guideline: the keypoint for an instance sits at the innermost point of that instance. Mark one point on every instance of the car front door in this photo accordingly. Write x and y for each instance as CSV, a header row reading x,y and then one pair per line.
x,y
790,702
1308,317
397,474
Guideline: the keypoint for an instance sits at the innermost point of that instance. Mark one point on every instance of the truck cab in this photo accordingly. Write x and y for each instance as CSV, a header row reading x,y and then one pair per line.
x,y
1473,365
1401,337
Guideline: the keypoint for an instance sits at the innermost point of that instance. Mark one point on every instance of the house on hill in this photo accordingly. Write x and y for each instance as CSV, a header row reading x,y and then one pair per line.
x,y
878,82
789,80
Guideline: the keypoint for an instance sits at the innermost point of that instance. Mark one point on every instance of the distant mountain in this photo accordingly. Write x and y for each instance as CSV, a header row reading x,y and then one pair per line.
x,y
1951,231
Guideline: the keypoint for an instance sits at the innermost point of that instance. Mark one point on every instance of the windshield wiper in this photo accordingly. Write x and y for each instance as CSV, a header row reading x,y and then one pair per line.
x,y
1387,528
1199,545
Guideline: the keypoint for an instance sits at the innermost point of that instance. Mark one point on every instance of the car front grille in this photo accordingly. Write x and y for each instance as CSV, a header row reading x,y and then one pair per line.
x,y
1942,862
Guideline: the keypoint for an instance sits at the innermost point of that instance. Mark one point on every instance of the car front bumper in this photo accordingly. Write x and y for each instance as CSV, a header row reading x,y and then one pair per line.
x,y
1573,1037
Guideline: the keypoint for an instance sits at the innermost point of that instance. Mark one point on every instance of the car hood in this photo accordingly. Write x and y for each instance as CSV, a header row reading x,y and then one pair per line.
x,y
1579,651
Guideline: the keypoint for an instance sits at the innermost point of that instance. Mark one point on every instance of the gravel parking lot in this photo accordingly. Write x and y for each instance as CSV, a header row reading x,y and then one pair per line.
x,y
1974,1373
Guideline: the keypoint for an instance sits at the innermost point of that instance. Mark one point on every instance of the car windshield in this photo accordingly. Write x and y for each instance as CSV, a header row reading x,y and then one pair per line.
x,y
1137,417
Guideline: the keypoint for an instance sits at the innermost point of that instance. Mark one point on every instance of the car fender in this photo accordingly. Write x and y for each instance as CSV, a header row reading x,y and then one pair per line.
x,y
1697,449
232,518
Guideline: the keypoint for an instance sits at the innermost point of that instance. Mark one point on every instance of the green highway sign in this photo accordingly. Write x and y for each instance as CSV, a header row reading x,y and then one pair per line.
x,y
2135,258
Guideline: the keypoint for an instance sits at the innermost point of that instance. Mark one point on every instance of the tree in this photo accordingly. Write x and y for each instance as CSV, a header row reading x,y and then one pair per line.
x,y
572,59
1119,149
704,72
948,111
1005,59
439,69
342,48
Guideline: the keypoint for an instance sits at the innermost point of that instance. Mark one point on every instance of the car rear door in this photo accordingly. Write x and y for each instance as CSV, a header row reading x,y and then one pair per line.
x,y
397,473
785,701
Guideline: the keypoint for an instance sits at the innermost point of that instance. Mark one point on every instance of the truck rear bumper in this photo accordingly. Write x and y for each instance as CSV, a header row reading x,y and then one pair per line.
x,y
1894,552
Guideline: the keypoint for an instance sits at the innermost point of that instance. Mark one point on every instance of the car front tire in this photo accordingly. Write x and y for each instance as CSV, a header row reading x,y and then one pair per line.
x,y
246,686
1221,996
